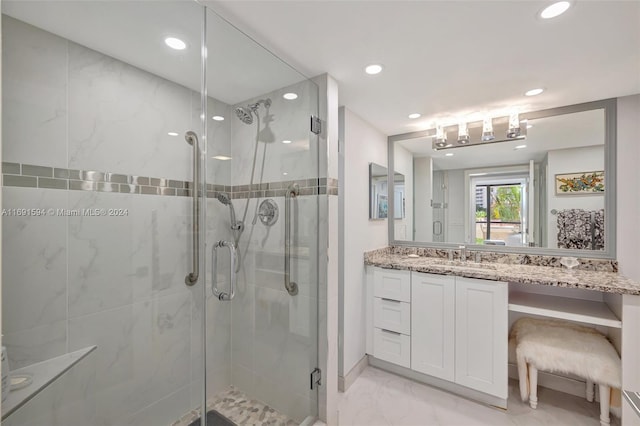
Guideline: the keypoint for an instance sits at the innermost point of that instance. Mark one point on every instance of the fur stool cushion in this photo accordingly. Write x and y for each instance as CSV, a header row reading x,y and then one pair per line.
x,y
563,347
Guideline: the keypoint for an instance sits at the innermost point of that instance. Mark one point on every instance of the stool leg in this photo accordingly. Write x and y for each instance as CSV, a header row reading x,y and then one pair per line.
x,y
605,395
533,386
590,391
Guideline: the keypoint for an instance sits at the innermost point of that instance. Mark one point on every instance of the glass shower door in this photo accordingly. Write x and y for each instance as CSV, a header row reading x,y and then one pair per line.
x,y
262,200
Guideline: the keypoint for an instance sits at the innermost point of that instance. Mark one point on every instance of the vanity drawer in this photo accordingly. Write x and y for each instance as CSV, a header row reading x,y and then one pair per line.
x,y
392,284
392,347
392,315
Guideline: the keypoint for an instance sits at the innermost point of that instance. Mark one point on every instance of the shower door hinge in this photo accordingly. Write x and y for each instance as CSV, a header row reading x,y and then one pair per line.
x,y
316,377
316,125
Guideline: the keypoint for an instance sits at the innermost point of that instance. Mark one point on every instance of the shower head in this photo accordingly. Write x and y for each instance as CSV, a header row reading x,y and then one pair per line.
x,y
245,113
224,198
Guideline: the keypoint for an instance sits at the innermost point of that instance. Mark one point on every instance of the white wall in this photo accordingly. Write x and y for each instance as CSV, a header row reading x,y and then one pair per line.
x,y
403,163
363,144
454,222
628,240
422,195
572,160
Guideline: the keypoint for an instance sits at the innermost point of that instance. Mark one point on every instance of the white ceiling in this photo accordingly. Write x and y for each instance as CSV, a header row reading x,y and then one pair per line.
x,y
442,58
133,31
451,58
546,134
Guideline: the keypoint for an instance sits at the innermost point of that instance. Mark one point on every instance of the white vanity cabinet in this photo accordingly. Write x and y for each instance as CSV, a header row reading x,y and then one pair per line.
x,y
450,328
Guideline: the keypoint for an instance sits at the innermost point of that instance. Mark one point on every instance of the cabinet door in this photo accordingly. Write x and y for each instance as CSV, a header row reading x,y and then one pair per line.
x,y
432,325
481,335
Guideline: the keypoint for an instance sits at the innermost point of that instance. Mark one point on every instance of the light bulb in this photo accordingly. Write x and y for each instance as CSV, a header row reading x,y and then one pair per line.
x,y
463,134
487,130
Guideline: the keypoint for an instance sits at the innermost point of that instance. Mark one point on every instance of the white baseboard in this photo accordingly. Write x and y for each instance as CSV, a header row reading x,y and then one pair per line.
x,y
345,383
572,386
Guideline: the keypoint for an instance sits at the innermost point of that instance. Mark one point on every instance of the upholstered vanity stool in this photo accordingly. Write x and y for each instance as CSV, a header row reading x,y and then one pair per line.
x,y
564,347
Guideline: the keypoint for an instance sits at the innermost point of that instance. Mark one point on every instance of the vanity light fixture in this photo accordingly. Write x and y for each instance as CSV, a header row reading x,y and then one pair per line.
x,y
449,154
221,157
520,147
414,115
218,118
514,126
175,43
290,96
487,130
441,136
555,9
373,69
463,133
172,134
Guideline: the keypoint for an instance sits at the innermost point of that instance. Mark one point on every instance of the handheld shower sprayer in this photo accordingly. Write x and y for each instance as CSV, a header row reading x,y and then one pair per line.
x,y
224,198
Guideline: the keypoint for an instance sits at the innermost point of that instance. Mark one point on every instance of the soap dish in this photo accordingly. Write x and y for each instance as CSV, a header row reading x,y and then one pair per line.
x,y
569,262
20,381
413,256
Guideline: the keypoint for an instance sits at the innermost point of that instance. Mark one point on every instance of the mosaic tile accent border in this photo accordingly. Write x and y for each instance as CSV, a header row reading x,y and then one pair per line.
x,y
34,176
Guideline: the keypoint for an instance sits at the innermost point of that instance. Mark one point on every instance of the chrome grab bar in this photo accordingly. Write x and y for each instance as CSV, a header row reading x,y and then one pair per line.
x,y
192,277
292,191
221,295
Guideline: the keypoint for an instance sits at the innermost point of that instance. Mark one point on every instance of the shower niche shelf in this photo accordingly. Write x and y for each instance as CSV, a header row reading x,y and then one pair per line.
x,y
43,374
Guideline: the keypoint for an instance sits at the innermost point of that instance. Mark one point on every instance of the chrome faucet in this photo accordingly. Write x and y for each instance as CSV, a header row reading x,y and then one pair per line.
x,y
463,253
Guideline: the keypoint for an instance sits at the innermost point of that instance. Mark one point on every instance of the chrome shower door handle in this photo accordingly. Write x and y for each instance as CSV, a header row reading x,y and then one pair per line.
x,y
221,295
192,277
292,191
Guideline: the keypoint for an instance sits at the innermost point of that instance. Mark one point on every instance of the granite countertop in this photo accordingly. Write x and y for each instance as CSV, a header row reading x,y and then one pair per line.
x,y
589,275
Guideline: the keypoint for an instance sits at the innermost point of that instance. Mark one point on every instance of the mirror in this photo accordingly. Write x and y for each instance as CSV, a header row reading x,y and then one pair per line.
x,y
379,194
545,194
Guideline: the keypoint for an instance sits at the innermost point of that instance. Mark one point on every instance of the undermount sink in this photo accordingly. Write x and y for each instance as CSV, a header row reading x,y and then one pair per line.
x,y
468,265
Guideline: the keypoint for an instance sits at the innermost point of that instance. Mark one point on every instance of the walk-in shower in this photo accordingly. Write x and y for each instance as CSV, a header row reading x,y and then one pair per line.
x,y
96,107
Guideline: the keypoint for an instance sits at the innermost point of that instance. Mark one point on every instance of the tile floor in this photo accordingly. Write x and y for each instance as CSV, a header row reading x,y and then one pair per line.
x,y
379,398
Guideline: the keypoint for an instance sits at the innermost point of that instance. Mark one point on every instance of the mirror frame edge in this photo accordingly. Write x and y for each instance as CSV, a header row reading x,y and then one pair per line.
x,y
610,142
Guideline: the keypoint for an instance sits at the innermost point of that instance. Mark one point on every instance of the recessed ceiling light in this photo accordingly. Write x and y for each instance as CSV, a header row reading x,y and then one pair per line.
x,y
373,69
555,9
414,115
218,118
449,154
533,92
175,43
520,147
172,134
290,96
221,157
286,141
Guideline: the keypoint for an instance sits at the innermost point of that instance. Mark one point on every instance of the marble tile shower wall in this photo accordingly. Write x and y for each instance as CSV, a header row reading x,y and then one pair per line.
x,y
116,282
